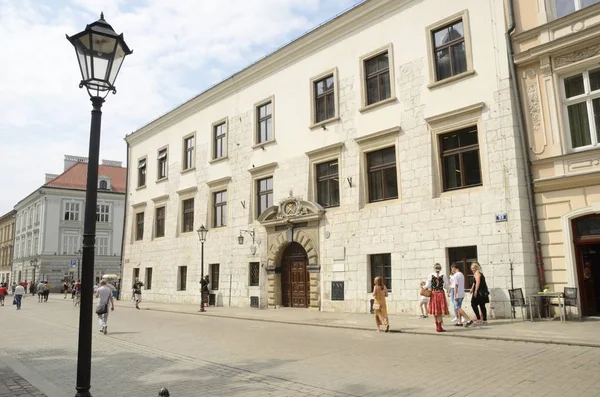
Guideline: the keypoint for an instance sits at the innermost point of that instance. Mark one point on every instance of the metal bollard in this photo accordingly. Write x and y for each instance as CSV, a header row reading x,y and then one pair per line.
x,y
163,392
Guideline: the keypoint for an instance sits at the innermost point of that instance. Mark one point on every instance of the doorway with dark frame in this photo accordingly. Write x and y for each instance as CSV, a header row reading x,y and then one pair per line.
x,y
587,250
295,284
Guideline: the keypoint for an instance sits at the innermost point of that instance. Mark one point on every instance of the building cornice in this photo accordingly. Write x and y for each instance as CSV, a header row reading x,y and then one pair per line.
x,y
323,35
566,182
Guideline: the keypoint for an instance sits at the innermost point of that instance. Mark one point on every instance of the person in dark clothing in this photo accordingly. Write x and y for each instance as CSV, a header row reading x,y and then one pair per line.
x,y
479,294
204,283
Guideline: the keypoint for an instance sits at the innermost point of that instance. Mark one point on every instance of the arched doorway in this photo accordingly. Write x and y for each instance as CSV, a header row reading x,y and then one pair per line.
x,y
586,232
295,280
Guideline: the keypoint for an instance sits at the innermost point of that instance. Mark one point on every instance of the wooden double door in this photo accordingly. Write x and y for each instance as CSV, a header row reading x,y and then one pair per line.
x,y
586,231
295,281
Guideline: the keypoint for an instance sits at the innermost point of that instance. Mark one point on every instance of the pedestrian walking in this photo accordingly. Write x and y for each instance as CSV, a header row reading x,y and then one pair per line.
x,y
32,289
40,291
65,289
379,305
77,292
459,295
137,292
104,295
204,290
438,307
3,293
24,284
19,294
424,301
480,294
451,296
46,291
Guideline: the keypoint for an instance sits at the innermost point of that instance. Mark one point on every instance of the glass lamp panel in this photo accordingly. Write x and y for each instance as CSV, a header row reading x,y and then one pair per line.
x,y
100,70
83,63
117,62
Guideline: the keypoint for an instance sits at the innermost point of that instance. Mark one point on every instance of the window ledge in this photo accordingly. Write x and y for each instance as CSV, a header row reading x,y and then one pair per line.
x,y
188,170
140,187
324,122
452,79
260,145
213,161
162,179
381,203
464,190
378,104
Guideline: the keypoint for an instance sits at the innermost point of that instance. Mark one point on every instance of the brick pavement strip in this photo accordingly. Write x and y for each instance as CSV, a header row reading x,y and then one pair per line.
x,y
12,385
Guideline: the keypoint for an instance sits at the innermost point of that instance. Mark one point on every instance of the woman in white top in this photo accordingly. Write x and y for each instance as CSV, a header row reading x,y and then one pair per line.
x,y
19,292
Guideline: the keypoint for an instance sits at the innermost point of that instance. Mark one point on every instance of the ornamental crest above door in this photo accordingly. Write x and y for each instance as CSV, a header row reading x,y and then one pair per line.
x,y
291,209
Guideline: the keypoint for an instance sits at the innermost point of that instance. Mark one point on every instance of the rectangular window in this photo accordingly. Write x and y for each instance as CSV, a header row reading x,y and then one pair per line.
x,y
148,279
324,99
582,100
136,274
36,243
460,159
71,211
220,140
162,164
383,183
377,74
328,184
264,194
188,153
449,50
381,265
142,173
214,276
463,257
102,213
37,214
160,222
220,208
188,216
181,278
101,246
29,246
139,226
566,7
254,271
70,244
264,127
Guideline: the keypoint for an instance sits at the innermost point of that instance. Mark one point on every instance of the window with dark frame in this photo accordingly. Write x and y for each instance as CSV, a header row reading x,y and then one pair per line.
x,y
459,152
264,123
328,184
188,153
148,279
160,222
214,276
381,265
142,173
264,194
188,216
162,164
254,274
220,208
220,141
377,75
103,185
449,50
324,99
463,257
139,226
181,278
382,177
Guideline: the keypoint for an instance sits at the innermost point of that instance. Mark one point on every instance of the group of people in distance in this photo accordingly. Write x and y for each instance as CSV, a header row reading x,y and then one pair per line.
x,y
433,293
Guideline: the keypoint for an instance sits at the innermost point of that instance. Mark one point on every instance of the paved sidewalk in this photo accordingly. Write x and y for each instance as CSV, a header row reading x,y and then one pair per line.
x,y
12,385
574,332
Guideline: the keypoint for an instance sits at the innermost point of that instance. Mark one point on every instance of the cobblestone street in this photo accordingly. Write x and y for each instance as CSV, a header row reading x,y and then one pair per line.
x,y
193,356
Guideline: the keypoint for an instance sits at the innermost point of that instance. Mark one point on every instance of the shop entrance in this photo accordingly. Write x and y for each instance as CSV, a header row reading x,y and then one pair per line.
x,y
587,250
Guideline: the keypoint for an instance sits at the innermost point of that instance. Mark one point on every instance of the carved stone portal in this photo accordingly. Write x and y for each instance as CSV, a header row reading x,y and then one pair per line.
x,y
292,220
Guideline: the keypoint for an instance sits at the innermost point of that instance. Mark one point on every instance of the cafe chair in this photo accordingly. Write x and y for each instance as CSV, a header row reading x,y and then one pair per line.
x,y
517,299
570,298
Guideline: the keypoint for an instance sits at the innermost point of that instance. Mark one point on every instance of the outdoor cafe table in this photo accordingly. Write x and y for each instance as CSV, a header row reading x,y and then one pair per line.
x,y
557,295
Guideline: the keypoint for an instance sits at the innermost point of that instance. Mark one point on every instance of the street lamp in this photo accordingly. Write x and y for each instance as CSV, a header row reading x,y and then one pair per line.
x,y
34,264
241,237
202,231
100,53
79,253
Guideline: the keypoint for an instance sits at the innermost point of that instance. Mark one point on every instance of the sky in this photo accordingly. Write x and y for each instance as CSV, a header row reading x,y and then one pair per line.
x,y
180,48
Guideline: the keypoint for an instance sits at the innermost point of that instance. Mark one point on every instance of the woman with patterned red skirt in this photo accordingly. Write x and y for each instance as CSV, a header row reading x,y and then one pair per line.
x,y
437,303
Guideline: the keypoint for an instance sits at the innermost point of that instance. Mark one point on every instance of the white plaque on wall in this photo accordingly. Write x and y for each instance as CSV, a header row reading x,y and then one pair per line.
x,y
339,253
339,267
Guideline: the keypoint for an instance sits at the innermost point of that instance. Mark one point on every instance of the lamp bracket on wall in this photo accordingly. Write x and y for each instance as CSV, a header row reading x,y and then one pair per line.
x,y
249,232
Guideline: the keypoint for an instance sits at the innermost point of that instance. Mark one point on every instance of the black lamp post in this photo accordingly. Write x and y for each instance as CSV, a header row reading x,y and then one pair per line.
x,y
100,52
79,253
202,231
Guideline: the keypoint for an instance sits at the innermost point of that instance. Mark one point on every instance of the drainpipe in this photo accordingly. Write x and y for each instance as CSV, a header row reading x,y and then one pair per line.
x,y
524,146
124,222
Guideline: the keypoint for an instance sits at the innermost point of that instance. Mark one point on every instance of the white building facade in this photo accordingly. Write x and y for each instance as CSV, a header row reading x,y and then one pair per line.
x,y
379,143
49,225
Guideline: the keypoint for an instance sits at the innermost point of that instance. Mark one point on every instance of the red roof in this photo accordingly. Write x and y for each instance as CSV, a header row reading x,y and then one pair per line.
x,y
76,177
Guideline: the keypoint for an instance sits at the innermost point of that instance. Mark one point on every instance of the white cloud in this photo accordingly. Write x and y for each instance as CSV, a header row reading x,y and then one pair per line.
x,y
180,48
